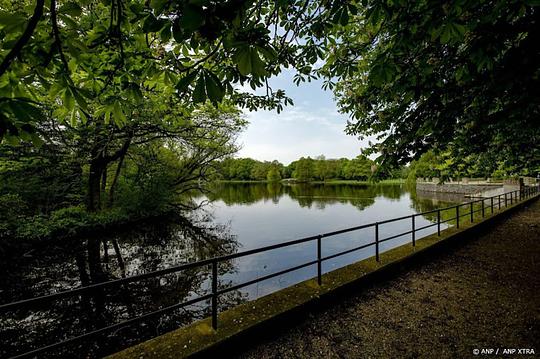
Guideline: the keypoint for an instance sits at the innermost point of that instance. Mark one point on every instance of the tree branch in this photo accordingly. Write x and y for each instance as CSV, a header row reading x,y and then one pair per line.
x,y
27,34
56,33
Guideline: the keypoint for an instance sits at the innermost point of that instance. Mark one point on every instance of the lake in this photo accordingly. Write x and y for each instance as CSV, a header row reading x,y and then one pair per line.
x,y
233,217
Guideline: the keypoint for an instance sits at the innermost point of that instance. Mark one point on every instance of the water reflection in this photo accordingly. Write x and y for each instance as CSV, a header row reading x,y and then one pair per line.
x,y
240,217
266,214
147,247
306,195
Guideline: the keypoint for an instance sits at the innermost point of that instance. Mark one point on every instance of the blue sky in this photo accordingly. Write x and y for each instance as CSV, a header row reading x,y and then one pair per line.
x,y
312,127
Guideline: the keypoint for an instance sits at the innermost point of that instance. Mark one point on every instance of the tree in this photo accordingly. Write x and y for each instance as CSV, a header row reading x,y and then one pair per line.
x,y
68,53
304,169
273,174
358,168
321,170
260,171
461,76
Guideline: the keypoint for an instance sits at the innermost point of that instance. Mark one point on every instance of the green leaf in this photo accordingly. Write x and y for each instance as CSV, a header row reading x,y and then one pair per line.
x,y
119,117
257,65
249,62
158,5
214,88
268,53
68,21
165,33
179,34
151,24
80,99
243,60
136,8
73,118
11,22
192,18
68,99
36,140
183,84
24,111
70,8
446,34
199,94
7,18
11,140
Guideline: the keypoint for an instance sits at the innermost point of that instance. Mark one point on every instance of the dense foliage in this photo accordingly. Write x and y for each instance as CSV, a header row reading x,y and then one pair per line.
x,y
304,169
444,166
115,52
63,187
459,76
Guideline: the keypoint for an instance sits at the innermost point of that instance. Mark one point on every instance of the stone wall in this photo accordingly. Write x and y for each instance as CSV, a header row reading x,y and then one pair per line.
x,y
455,188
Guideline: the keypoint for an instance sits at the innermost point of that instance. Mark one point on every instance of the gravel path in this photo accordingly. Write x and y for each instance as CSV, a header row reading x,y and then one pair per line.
x,y
482,295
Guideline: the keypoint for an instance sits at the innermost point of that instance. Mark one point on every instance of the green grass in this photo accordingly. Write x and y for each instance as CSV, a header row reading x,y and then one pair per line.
x,y
353,182
330,181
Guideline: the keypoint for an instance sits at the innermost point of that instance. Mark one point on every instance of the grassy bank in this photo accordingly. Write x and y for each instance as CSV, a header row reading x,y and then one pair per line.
x,y
330,181
354,182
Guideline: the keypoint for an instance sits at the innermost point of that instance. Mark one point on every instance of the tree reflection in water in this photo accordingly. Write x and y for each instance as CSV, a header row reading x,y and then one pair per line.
x,y
144,248
307,195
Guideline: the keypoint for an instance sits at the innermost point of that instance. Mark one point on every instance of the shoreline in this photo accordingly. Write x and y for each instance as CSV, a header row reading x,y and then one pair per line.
x,y
328,182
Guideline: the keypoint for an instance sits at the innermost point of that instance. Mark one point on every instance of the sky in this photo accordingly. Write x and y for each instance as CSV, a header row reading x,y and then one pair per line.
x,y
311,127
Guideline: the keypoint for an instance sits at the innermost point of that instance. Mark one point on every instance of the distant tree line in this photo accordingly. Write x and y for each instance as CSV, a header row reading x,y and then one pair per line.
x,y
444,165
304,169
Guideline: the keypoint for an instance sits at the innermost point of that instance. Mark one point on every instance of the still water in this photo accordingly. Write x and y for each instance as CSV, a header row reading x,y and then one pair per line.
x,y
266,214
232,218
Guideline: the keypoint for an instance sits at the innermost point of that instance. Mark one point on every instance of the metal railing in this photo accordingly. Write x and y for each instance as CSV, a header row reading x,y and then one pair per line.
x,y
494,203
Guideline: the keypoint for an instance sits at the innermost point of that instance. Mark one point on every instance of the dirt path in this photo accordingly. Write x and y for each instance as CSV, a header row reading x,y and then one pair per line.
x,y
483,295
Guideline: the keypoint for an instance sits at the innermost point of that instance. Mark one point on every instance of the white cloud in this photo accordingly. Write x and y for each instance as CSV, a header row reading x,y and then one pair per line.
x,y
296,132
310,128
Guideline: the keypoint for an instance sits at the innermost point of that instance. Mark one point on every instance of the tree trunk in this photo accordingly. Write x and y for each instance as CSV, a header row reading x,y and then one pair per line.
x,y
104,180
94,186
115,180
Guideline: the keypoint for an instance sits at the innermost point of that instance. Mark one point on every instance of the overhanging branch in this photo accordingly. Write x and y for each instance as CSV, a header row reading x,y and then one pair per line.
x,y
27,34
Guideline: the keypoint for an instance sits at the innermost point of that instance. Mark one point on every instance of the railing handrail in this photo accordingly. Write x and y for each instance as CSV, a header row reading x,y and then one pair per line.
x,y
526,192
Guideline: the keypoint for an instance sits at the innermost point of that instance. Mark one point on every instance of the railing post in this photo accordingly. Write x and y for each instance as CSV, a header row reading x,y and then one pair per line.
x,y
491,205
499,202
377,242
319,261
472,212
457,216
511,198
483,209
214,294
439,222
413,231
505,200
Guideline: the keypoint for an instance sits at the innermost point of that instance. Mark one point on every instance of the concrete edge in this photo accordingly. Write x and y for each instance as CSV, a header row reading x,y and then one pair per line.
x,y
256,319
